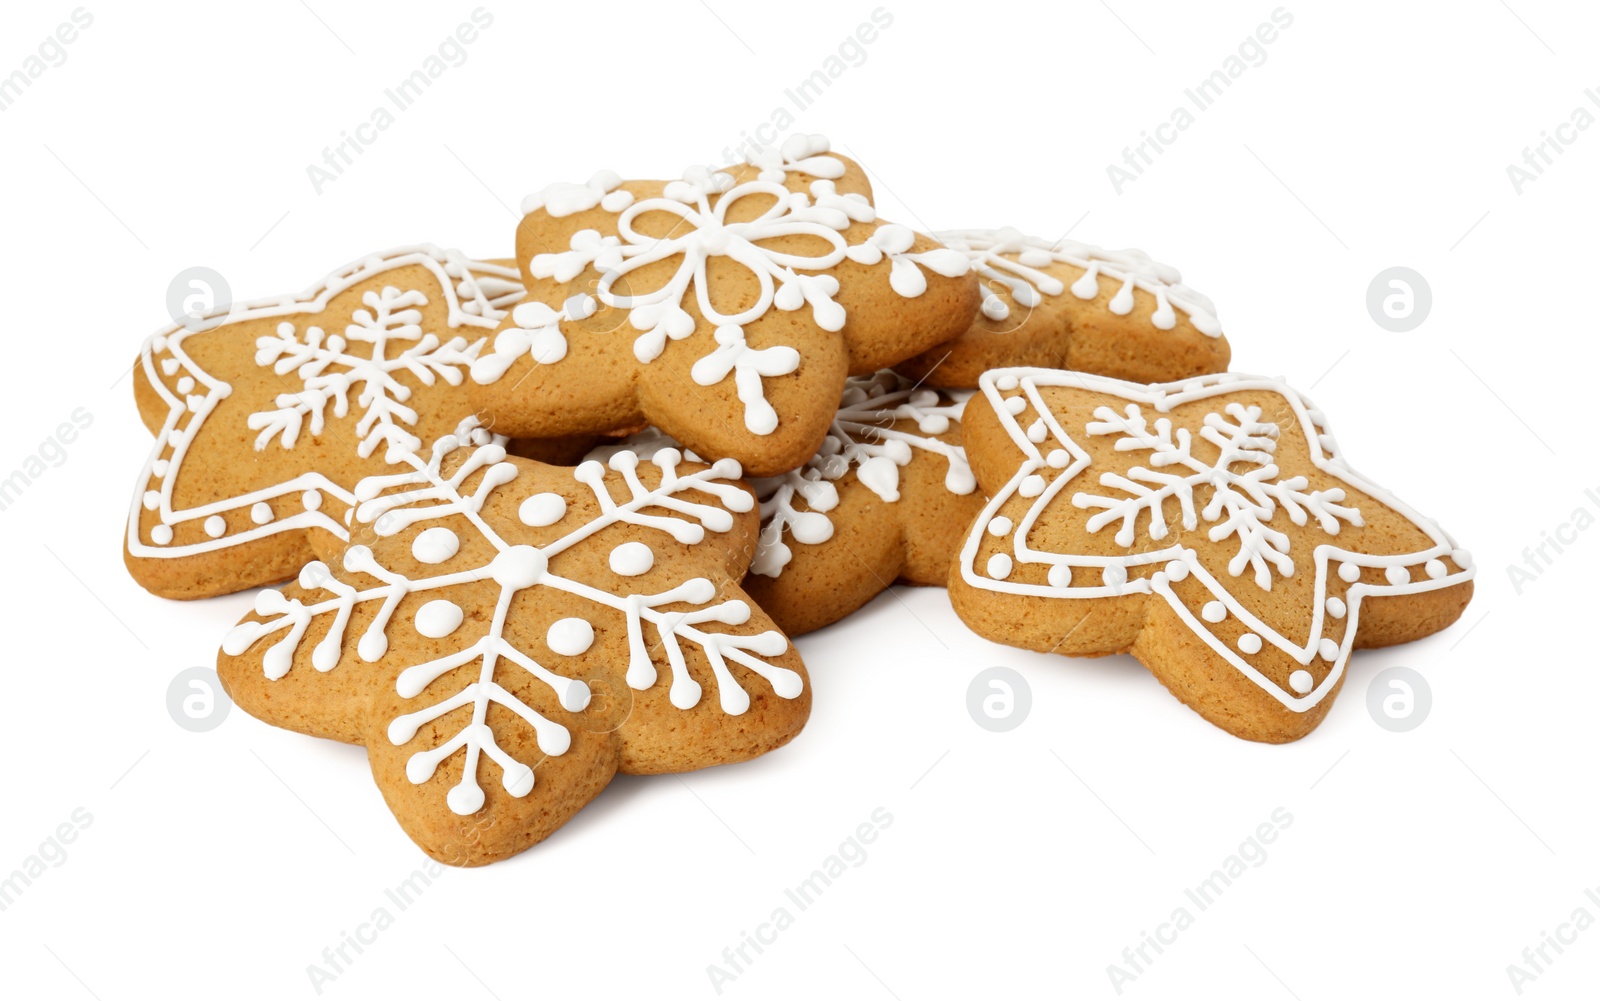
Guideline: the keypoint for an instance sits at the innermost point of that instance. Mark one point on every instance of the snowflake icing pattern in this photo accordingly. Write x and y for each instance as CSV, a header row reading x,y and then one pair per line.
x,y
1241,502
329,372
862,438
785,279
393,503
1012,259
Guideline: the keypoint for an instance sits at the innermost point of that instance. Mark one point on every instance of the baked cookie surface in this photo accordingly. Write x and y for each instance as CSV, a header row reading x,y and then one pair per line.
x,y
1075,306
504,636
266,417
725,308
1210,527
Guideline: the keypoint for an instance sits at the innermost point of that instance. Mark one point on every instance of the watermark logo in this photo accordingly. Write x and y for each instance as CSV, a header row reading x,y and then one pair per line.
x,y
1541,156
51,453
198,298
51,854
1136,960
49,54
1399,699
999,699
196,701
1399,299
1198,99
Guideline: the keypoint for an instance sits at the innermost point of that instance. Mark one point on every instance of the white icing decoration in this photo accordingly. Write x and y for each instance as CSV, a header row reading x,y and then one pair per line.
x,y
537,334
1260,495
999,566
1241,504
475,295
1301,681
632,559
541,510
435,545
1013,259
216,526
564,199
861,437
1000,526
390,315
426,493
786,280
800,153
261,512
438,618
570,637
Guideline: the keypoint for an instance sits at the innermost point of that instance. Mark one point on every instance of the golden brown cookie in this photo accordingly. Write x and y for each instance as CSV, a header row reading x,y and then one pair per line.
x,y
504,636
725,308
886,499
1209,527
266,416
1075,306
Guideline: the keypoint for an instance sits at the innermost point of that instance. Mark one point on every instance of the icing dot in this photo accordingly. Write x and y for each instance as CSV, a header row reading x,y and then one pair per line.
x,y
152,499
1058,458
435,545
186,384
1000,526
1463,558
438,618
1328,649
1435,569
570,637
1301,681
1214,611
632,559
1031,486
1349,573
158,469
215,526
1250,643
999,566
261,512
1060,575
161,534
519,567
1006,383
542,509
1115,575
1016,404
1037,432
1177,570
1336,607
312,499
1398,575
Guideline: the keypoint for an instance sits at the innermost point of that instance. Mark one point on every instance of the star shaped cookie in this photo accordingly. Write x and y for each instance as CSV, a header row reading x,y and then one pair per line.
x,y
504,636
1210,527
725,308
886,499
266,417
1075,306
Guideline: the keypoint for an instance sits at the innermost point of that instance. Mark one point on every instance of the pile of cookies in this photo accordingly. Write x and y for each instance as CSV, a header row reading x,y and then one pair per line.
x,y
557,517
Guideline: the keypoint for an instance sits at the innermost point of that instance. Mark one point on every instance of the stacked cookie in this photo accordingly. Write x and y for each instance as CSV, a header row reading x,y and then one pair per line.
x,y
554,519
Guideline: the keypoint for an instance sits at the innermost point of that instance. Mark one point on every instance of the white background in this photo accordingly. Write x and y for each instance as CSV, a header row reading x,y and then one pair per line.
x,y
1017,864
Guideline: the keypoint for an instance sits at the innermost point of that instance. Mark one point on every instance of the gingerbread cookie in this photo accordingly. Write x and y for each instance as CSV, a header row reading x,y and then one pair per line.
x,y
266,417
1075,306
726,308
886,499
1209,527
504,636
